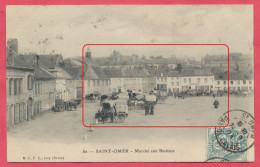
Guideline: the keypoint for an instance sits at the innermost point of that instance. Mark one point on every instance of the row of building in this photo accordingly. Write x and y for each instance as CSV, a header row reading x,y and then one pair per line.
x,y
143,78
204,81
34,81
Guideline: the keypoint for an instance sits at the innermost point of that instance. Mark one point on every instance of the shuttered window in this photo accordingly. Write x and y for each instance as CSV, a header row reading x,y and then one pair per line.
x,y
29,82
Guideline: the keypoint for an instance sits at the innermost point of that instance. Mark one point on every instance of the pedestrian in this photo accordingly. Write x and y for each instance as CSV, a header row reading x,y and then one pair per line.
x,y
152,109
149,100
147,108
216,104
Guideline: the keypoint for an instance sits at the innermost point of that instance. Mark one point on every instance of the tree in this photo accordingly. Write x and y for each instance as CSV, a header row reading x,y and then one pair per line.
x,y
179,67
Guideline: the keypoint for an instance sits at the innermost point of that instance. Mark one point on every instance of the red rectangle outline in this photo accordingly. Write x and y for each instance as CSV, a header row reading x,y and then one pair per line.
x,y
83,62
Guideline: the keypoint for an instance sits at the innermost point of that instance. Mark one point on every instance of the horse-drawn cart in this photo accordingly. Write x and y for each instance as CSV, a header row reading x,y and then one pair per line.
x,y
59,105
163,96
110,110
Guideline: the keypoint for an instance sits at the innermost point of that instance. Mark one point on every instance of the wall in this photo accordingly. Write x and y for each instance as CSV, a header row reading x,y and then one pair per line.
x,y
17,104
44,96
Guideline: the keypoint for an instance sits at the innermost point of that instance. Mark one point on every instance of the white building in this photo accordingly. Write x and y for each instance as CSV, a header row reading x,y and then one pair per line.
x,y
96,81
136,79
237,81
185,80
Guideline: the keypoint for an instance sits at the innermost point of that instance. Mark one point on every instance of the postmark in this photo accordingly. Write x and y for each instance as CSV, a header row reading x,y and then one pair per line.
x,y
216,153
238,136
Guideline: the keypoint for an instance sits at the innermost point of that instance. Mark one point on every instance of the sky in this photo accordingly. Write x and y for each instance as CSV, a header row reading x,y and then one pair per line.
x,y
65,29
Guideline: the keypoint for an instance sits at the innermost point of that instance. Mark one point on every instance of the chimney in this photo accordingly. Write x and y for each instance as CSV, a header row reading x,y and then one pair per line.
x,y
13,45
88,53
37,60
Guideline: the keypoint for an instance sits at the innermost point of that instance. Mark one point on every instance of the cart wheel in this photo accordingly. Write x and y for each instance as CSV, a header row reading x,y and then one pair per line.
x,y
120,117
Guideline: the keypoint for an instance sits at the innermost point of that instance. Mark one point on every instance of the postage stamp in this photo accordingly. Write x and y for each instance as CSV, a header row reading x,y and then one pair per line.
x,y
216,153
232,142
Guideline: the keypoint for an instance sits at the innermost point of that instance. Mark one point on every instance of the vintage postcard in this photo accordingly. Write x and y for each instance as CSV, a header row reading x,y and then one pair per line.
x,y
130,83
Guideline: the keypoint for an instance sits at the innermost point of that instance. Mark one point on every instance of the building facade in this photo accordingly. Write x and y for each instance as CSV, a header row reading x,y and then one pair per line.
x,y
237,81
185,80
44,91
19,92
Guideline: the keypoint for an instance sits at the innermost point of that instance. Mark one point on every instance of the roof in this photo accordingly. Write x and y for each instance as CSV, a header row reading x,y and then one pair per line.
x,y
99,72
136,72
60,73
88,61
15,60
42,74
113,72
128,73
74,72
50,61
186,72
90,73
234,76
144,73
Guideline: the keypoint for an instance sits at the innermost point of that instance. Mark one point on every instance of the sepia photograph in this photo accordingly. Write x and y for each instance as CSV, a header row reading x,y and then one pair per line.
x,y
130,83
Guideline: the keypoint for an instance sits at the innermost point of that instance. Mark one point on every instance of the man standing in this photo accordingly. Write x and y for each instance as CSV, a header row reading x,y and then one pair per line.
x,y
147,108
216,104
149,104
152,109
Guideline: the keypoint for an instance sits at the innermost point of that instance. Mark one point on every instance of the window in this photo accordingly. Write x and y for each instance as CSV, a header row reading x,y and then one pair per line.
x,y
29,82
205,80
244,82
198,80
250,82
177,83
15,86
21,111
39,88
218,82
98,83
225,82
161,79
231,82
238,82
184,80
10,86
189,80
177,78
172,83
88,83
94,82
35,88
20,86
165,79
